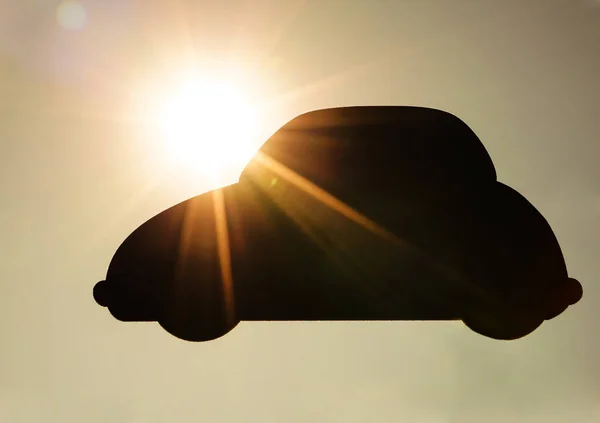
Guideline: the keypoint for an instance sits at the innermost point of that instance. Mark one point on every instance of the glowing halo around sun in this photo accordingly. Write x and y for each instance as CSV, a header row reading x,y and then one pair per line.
x,y
208,127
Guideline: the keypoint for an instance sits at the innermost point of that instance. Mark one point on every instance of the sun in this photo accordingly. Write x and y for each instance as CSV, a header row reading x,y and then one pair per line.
x,y
209,127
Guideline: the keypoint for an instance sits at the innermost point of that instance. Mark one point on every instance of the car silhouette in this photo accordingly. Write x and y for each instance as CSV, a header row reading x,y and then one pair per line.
x,y
352,213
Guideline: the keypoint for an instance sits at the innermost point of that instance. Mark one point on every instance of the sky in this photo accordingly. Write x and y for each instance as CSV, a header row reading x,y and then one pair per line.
x,y
81,166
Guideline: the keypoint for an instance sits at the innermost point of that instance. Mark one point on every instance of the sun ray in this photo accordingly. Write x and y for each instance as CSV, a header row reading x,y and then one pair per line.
x,y
323,196
224,252
360,219
318,216
351,241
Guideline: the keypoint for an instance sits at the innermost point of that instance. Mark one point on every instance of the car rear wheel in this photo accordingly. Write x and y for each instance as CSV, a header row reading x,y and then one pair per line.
x,y
503,325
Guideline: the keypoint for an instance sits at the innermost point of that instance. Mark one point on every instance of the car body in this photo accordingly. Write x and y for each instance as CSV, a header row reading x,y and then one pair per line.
x,y
357,213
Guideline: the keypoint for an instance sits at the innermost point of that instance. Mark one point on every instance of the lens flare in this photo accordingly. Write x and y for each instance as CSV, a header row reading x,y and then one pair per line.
x,y
71,15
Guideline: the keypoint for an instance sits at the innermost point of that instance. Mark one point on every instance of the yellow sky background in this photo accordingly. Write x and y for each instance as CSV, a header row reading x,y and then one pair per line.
x,y
80,168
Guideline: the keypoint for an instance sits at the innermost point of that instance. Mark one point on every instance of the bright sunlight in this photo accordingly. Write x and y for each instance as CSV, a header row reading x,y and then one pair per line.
x,y
209,127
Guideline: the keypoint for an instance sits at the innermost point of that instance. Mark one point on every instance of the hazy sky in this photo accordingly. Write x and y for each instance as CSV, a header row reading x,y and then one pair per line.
x,y
77,155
